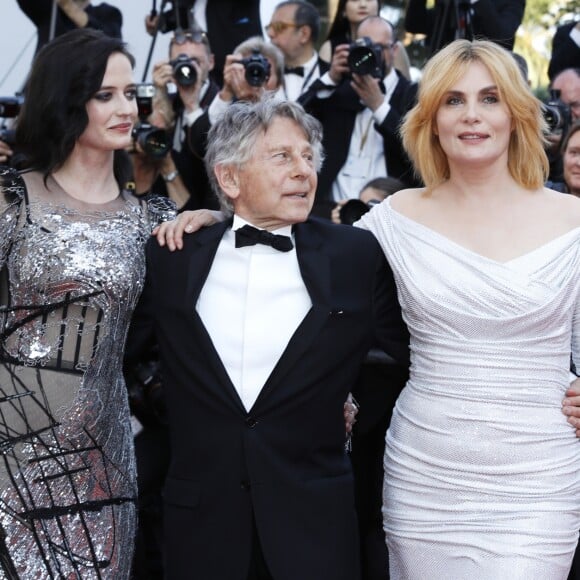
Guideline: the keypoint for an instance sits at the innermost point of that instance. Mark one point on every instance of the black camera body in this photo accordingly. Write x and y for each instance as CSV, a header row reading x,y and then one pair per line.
x,y
557,114
257,69
366,58
354,209
152,140
184,73
10,106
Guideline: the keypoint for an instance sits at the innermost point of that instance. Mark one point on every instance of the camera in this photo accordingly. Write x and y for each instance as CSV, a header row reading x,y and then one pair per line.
x,y
184,72
257,69
8,136
152,140
557,114
10,106
354,209
366,58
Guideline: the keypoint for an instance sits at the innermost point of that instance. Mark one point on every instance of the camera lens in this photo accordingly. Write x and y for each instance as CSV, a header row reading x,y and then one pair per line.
x,y
184,72
257,68
553,117
361,60
365,58
152,140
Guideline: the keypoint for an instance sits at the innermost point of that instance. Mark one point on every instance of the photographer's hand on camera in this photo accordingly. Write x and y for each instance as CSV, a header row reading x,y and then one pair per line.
x,y
369,91
235,84
339,64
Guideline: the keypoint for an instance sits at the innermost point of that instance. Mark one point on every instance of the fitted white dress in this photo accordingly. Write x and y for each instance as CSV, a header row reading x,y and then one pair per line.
x,y
482,471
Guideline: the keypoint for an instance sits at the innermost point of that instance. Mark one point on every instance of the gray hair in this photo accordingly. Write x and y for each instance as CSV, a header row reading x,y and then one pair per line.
x,y
232,139
267,49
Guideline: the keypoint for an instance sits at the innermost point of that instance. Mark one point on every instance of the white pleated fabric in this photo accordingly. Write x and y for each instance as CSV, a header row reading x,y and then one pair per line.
x,y
482,471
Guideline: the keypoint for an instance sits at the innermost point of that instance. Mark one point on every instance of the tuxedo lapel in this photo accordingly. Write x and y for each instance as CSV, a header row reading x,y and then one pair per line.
x,y
204,247
203,250
315,270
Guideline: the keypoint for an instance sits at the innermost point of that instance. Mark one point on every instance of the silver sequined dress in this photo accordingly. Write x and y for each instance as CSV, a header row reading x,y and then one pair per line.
x,y
482,471
72,273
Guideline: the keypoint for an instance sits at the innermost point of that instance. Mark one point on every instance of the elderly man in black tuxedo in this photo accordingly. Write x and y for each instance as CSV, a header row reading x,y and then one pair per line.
x,y
263,321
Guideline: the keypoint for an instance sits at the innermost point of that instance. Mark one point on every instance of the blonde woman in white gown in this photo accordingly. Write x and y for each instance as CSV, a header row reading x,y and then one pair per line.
x,y
482,472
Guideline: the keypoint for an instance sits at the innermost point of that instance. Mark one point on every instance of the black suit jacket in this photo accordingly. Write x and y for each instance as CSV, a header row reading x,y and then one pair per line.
x,y
496,20
103,17
565,52
230,22
282,464
338,115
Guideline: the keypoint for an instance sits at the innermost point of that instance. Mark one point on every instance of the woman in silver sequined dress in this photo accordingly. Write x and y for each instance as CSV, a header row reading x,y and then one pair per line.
x,y
71,250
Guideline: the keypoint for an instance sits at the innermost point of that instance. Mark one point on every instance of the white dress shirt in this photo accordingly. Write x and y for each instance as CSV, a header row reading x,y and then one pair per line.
x,y
251,304
295,85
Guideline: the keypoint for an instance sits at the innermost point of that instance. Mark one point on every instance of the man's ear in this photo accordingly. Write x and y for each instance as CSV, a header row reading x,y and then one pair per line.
x,y
305,34
228,178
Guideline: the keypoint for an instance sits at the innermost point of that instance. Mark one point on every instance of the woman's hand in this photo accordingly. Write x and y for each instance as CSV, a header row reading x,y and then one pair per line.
x,y
171,233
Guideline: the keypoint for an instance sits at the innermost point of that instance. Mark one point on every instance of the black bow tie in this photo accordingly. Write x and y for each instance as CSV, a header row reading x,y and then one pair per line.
x,y
294,70
250,236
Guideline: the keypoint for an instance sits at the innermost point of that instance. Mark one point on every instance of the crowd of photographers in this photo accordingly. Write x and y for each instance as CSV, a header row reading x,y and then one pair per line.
x,y
217,55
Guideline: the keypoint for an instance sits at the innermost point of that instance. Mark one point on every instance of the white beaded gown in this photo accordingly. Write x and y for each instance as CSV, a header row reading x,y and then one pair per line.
x,y
71,275
482,471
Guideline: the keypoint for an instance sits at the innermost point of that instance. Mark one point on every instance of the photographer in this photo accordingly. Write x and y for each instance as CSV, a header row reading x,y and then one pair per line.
x,y
496,20
183,92
560,111
255,68
568,83
360,109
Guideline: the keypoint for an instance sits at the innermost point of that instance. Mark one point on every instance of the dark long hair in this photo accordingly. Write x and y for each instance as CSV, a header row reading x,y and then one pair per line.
x,y
339,30
65,74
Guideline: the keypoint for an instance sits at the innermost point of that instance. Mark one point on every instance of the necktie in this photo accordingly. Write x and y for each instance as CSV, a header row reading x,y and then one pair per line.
x,y
294,70
250,236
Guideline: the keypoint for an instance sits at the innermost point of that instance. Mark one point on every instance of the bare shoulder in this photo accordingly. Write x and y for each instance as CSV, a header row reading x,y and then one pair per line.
x,y
406,201
566,206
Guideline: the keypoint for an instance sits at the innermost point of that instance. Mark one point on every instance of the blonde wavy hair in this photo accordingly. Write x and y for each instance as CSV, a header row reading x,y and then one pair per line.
x,y
527,160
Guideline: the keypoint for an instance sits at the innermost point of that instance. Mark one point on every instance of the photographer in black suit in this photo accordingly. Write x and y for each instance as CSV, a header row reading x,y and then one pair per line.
x,y
361,113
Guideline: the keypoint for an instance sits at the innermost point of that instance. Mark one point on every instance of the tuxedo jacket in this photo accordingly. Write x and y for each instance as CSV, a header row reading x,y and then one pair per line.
x,y
282,465
338,115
